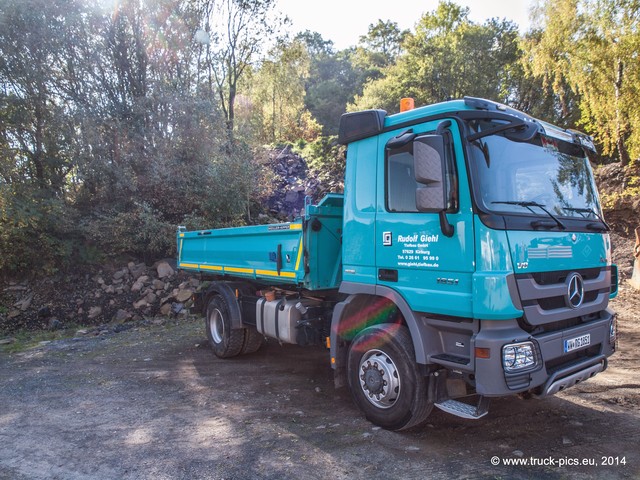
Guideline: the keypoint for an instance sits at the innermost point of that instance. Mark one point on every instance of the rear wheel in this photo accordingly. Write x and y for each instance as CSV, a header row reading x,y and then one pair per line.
x,y
225,341
384,379
253,340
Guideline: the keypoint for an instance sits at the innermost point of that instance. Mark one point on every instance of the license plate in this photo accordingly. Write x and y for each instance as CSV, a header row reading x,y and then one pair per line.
x,y
576,343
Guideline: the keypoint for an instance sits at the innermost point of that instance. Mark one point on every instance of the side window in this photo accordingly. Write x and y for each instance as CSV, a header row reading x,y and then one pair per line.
x,y
401,182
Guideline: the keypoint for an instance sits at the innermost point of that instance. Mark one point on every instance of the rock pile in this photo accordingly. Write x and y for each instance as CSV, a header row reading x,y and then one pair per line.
x,y
130,293
291,184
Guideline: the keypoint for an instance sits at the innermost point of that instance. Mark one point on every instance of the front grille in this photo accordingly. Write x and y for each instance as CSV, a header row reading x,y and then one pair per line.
x,y
544,296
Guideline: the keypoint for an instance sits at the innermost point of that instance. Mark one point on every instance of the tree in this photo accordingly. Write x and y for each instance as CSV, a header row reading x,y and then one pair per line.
x,y
234,33
278,92
383,42
448,56
592,46
333,81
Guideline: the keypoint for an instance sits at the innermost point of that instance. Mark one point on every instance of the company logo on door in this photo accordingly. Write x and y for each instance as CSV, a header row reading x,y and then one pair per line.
x,y
415,236
416,251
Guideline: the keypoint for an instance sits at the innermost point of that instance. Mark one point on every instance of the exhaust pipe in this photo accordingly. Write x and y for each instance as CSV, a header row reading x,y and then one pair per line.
x,y
635,278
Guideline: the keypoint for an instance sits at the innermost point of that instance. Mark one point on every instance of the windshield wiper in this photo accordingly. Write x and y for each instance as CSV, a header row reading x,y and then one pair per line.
x,y
591,226
528,206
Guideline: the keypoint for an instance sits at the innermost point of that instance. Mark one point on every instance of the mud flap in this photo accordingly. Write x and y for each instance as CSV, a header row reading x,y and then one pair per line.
x,y
635,277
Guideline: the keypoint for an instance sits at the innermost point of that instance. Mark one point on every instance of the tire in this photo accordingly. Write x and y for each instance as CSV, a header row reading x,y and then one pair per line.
x,y
224,341
253,340
384,379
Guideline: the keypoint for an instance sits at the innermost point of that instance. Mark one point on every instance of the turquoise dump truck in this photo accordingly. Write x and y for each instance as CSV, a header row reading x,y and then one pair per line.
x,y
467,259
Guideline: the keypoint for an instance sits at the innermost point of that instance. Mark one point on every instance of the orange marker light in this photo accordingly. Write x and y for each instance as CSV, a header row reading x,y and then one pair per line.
x,y
483,352
406,104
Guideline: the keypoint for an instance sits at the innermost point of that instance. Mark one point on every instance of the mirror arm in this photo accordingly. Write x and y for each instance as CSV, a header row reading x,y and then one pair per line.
x,y
445,226
442,126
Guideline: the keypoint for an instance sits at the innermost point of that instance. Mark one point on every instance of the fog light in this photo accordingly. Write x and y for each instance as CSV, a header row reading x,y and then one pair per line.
x,y
518,356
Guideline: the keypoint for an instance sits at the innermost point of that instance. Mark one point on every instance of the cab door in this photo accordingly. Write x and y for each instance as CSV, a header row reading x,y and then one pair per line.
x,y
414,256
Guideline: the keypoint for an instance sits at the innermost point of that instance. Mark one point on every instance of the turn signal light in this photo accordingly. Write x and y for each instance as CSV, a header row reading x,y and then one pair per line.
x,y
483,352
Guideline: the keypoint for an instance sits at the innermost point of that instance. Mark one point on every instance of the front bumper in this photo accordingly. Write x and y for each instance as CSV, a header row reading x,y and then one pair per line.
x,y
555,369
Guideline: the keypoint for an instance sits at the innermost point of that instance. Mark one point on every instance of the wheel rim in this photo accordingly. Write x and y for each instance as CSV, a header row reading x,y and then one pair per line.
x,y
216,325
379,379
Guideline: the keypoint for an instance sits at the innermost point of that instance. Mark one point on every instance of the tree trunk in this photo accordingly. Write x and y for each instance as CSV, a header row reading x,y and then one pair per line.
x,y
623,154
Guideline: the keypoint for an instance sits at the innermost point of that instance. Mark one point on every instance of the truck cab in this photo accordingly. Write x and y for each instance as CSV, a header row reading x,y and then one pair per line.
x,y
483,226
467,259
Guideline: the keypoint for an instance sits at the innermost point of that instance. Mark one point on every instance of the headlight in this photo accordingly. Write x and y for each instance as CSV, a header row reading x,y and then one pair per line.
x,y
613,330
518,356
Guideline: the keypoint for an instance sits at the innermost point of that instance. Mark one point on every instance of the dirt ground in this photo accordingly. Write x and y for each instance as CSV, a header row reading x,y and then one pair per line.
x,y
154,403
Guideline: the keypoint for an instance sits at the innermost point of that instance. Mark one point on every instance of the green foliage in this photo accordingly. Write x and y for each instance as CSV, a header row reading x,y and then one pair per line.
x,y
326,160
441,61
276,110
592,47
141,232
334,79
384,39
35,233
630,194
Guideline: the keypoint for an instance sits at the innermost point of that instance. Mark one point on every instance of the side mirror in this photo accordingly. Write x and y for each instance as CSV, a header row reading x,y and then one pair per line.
x,y
429,168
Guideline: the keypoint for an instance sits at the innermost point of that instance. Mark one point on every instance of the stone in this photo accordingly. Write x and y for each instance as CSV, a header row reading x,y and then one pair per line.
x,y
55,324
158,284
194,282
94,312
165,309
137,286
183,295
121,316
44,312
150,297
119,274
177,307
7,341
14,313
15,288
140,303
137,270
164,270
24,303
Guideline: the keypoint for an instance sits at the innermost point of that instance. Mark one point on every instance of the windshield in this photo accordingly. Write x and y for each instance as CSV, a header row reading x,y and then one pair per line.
x,y
529,178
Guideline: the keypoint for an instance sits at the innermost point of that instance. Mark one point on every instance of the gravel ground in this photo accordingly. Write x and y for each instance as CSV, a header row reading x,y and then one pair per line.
x,y
154,403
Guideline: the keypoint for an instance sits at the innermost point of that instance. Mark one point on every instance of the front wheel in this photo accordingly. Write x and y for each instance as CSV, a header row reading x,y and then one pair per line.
x,y
383,378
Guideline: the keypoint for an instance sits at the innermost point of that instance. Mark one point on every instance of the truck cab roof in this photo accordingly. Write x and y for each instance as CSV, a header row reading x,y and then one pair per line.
x,y
368,123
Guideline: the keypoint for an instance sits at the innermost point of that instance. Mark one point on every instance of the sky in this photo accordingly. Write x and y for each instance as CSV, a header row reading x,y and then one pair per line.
x,y
344,21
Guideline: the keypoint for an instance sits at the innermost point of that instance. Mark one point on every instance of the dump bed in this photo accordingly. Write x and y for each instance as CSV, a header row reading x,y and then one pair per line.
x,y
305,253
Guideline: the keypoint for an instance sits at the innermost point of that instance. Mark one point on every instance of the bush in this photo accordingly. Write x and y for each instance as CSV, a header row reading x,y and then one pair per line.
x,y
140,232
325,158
37,233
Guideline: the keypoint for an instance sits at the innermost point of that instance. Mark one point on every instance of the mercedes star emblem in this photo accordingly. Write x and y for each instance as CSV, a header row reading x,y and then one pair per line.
x,y
575,290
